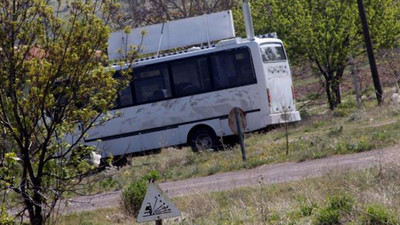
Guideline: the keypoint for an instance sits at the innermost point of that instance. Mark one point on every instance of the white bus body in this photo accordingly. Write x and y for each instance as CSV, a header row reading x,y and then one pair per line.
x,y
186,97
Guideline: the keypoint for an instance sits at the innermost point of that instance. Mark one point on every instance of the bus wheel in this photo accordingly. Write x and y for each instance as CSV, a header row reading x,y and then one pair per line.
x,y
203,138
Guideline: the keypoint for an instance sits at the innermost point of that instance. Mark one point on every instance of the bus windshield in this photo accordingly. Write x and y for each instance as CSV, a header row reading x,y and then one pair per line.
x,y
272,53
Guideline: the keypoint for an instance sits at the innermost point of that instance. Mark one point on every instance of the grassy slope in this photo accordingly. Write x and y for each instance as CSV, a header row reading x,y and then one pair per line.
x,y
346,197
320,134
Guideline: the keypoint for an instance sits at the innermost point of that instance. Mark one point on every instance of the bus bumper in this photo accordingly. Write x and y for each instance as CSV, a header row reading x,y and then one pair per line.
x,y
288,117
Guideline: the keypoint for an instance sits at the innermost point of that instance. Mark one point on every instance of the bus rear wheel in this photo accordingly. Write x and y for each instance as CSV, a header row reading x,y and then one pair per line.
x,y
203,138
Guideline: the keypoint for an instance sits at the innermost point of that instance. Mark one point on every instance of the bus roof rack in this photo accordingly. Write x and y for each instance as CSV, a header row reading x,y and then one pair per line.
x,y
269,35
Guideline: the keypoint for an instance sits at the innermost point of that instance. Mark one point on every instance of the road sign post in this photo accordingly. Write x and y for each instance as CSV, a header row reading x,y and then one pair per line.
x,y
237,123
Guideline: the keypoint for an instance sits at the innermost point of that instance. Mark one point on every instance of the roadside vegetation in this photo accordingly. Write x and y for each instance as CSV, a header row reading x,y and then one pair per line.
x,y
358,197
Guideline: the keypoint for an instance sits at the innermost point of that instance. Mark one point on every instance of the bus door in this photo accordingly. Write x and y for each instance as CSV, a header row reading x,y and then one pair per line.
x,y
278,78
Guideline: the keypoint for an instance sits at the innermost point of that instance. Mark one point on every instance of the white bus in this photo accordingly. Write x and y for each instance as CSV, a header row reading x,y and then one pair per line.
x,y
185,97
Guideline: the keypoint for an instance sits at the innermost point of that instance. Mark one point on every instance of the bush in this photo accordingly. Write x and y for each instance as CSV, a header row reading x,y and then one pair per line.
x,y
318,124
337,206
133,195
339,112
307,209
342,203
358,146
378,215
5,219
304,114
333,132
327,216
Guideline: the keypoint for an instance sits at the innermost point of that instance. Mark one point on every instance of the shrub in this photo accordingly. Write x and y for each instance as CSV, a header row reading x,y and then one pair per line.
x,y
305,115
318,124
307,209
133,195
333,132
5,219
327,216
380,135
378,215
337,206
342,203
358,146
340,112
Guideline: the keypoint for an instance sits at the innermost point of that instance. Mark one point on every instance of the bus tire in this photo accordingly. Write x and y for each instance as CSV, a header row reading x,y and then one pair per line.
x,y
203,138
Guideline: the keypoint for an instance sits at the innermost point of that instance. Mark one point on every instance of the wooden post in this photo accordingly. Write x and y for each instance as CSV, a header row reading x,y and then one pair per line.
x,y
370,50
158,222
287,136
240,133
356,82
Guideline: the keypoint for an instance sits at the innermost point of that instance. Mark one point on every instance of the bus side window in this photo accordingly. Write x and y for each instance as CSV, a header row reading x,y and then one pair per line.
x,y
151,84
232,69
190,76
125,97
223,70
245,74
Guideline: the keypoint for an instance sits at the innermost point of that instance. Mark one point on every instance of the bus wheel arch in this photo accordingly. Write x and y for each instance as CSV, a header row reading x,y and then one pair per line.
x,y
202,137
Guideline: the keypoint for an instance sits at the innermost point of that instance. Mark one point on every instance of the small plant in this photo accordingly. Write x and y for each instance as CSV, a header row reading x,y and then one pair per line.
x,y
5,219
381,135
337,206
344,203
306,208
304,114
335,131
359,146
378,215
318,124
107,183
340,112
86,223
327,216
133,195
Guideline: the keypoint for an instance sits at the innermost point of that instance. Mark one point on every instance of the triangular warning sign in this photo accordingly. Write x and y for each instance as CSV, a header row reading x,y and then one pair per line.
x,y
156,205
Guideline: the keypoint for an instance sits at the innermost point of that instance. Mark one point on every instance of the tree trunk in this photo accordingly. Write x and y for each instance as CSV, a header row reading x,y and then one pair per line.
x,y
37,220
329,93
332,88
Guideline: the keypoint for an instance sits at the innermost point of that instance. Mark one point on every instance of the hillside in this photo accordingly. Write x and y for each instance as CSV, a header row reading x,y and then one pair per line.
x,y
320,136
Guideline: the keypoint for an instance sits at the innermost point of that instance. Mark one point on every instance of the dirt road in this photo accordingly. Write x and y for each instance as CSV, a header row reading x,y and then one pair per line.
x,y
276,173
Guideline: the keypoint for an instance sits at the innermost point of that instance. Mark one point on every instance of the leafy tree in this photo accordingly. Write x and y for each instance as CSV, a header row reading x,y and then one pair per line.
x,y
326,32
52,79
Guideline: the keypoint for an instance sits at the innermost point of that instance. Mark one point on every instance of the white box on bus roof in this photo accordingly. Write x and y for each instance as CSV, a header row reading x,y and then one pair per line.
x,y
179,33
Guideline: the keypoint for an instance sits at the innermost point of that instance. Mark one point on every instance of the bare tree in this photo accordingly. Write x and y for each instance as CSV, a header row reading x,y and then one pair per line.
x,y
139,13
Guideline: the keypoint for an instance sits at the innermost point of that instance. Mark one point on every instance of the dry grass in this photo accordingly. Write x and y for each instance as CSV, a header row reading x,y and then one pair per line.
x,y
288,203
299,202
322,135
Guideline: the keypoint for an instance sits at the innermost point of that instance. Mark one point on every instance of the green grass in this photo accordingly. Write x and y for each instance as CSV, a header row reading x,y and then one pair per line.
x,y
307,81
321,133
98,217
357,197
320,136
